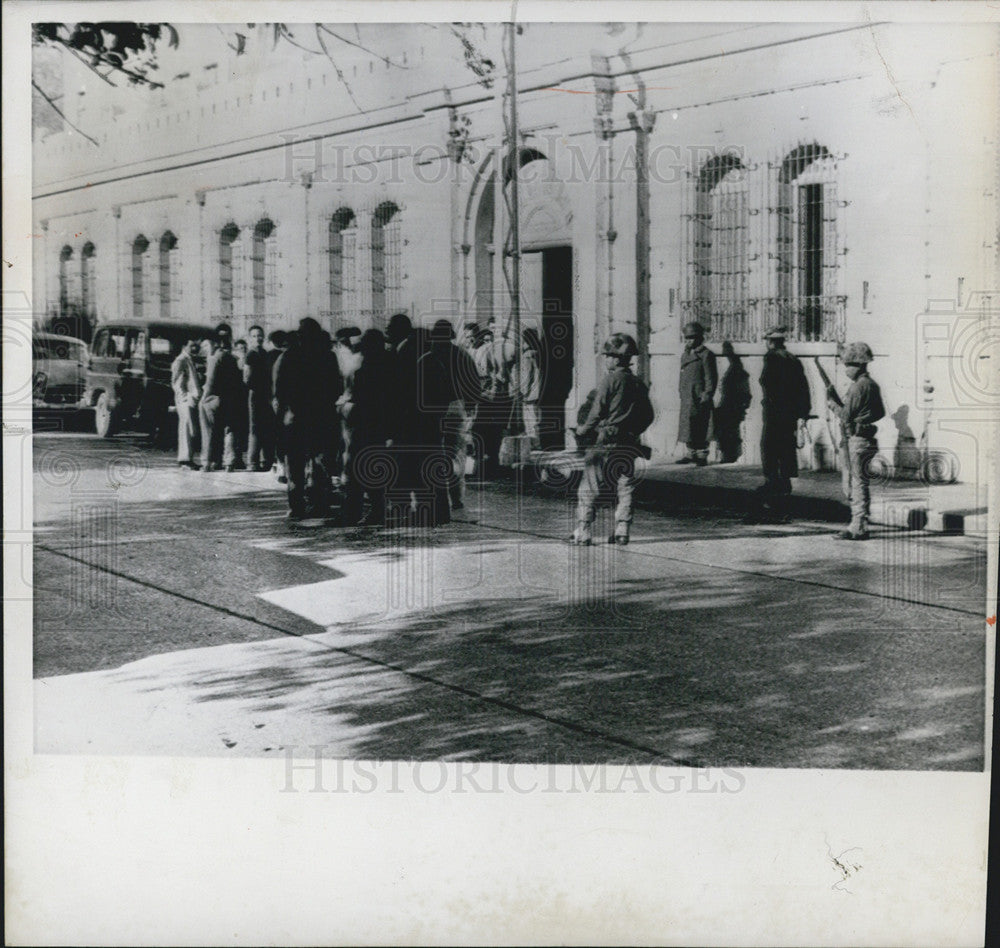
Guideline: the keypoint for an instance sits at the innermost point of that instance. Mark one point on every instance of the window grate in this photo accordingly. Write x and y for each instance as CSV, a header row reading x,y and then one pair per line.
x,y
807,242
341,252
386,247
718,251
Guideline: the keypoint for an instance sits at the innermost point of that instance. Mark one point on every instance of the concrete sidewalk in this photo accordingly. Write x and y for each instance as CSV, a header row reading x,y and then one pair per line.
x,y
817,495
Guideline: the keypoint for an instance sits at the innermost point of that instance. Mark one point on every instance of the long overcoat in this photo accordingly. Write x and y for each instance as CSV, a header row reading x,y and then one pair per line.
x,y
698,380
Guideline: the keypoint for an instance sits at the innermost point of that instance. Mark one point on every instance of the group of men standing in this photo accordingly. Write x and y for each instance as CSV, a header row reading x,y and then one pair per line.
x,y
382,418
391,418
228,411
785,408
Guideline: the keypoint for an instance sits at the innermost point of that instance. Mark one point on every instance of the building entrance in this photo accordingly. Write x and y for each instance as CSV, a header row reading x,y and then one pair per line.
x,y
547,285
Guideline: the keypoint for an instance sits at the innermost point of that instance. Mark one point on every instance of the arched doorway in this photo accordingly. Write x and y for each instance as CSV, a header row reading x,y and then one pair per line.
x,y
546,273
547,286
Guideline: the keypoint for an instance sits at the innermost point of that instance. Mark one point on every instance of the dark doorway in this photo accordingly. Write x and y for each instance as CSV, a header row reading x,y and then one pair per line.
x,y
557,341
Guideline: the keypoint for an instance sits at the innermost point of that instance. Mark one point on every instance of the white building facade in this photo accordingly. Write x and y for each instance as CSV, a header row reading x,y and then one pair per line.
x,y
840,180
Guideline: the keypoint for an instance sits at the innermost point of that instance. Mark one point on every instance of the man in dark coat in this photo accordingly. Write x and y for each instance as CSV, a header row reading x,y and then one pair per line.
x,y
402,355
257,376
698,379
221,402
306,388
785,401
438,385
362,407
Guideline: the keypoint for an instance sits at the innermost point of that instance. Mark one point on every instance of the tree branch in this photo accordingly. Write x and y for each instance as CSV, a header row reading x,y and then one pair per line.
x,y
287,35
340,75
60,113
371,52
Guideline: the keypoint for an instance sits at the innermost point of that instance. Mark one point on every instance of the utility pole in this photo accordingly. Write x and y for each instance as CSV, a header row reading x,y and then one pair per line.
x,y
642,121
512,164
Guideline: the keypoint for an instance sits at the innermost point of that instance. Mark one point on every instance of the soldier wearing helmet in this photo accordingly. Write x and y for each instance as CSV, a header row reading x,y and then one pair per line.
x,y
619,414
698,380
861,409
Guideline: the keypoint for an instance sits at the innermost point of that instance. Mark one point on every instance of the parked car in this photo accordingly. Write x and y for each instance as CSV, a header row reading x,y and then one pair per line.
x,y
58,373
128,374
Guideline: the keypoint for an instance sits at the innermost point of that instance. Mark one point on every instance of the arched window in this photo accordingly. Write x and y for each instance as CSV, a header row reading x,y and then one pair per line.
x,y
65,256
140,281
807,245
342,239
524,157
718,254
88,280
229,269
264,260
386,258
169,284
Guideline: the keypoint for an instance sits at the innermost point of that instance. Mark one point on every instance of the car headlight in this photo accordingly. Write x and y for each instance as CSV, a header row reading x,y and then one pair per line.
x,y
39,382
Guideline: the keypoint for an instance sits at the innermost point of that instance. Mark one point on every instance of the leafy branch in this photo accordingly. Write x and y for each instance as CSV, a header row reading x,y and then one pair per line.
x,y
107,49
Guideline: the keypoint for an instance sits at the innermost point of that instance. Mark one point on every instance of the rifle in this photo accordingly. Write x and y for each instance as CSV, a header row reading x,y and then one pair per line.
x,y
832,395
831,392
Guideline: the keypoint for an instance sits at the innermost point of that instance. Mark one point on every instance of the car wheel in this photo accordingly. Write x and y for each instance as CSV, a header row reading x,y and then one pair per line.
x,y
104,419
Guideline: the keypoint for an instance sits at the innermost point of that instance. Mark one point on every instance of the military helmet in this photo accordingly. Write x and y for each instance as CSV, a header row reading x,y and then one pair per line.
x,y
622,345
858,353
776,332
693,329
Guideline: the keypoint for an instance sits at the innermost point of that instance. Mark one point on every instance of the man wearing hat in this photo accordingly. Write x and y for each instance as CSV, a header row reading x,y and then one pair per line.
x,y
698,379
620,412
221,402
861,409
785,400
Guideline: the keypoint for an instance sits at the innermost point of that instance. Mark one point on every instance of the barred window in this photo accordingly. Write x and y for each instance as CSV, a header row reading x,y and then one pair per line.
x,y
264,262
65,255
88,279
341,251
228,269
169,284
386,252
140,276
717,296
807,252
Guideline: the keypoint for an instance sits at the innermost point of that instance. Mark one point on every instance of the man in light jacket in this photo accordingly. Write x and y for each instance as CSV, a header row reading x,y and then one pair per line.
x,y
187,392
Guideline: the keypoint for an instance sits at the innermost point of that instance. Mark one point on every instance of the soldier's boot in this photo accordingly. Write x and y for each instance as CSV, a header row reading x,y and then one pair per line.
x,y
620,536
582,535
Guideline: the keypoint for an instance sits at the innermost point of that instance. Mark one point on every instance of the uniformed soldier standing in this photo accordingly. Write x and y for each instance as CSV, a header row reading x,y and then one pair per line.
x,y
785,401
620,412
698,379
861,409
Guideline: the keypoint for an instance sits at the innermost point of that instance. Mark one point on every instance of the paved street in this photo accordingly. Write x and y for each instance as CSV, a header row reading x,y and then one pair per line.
x,y
178,613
